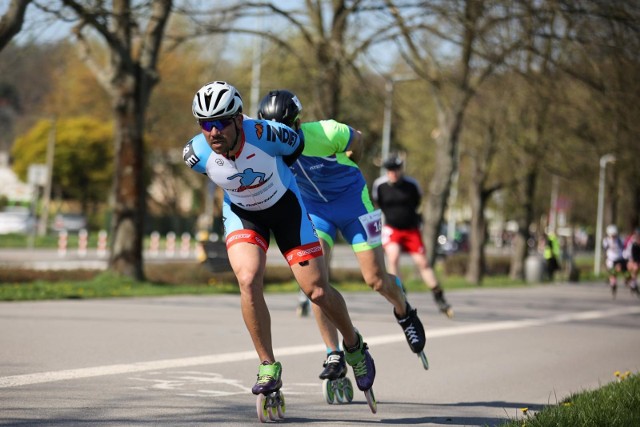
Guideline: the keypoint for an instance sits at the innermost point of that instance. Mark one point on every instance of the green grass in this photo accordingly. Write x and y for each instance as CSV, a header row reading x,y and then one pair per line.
x,y
105,285
187,278
615,404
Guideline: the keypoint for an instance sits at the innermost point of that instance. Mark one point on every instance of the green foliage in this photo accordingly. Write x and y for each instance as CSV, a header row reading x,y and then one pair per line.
x,y
83,160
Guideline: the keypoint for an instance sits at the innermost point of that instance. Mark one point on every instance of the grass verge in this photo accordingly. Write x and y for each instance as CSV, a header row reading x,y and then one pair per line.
x,y
182,278
616,404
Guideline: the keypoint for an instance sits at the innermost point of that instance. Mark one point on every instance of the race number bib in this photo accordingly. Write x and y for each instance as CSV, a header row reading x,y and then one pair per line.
x,y
372,223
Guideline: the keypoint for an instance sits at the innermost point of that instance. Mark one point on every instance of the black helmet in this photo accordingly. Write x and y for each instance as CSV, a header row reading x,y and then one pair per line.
x,y
393,163
280,105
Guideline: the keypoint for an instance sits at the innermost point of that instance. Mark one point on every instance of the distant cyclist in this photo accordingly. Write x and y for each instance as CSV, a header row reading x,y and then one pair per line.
x,y
400,196
614,258
335,193
249,159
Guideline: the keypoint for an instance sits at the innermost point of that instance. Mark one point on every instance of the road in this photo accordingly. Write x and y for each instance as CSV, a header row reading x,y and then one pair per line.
x,y
188,361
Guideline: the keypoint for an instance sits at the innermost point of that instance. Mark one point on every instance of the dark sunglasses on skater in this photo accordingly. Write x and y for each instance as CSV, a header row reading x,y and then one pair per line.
x,y
219,124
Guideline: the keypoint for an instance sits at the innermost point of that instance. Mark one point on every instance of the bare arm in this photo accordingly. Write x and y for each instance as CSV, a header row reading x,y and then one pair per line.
x,y
355,147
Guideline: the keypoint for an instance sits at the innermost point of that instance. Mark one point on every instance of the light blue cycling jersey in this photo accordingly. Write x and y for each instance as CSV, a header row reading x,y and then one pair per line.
x,y
260,193
258,176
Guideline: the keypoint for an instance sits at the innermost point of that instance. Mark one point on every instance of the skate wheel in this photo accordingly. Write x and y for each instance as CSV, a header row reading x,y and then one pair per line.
x,y
371,400
272,416
280,408
348,390
424,360
328,391
261,408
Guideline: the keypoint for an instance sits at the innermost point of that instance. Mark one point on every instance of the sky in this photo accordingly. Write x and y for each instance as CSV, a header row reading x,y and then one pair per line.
x,y
41,28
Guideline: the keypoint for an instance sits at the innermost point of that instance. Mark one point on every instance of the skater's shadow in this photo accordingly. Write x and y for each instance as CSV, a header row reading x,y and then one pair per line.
x,y
441,414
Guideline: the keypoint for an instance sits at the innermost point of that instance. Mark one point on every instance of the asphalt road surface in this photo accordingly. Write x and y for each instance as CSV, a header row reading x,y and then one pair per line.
x,y
188,361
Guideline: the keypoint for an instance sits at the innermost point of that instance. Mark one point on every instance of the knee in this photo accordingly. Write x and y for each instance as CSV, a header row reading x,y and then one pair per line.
x,y
318,295
248,281
376,282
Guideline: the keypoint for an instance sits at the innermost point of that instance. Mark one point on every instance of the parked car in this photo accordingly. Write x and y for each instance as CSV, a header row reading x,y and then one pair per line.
x,y
16,221
72,223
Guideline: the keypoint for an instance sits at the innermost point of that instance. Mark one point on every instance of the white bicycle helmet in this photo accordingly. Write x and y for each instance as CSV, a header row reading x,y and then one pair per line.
x,y
612,230
216,100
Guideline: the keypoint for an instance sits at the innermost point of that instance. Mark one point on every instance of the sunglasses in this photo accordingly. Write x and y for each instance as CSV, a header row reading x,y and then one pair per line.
x,y
219,124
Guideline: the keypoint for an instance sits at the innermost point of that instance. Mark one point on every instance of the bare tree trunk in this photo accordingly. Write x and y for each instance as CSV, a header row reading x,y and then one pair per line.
x,y
440,186
129,207
520,247
520,250
11,21
476,267
129,78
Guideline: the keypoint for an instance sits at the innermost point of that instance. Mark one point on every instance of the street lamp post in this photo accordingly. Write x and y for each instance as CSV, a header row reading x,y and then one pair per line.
x,y
607,158
386,124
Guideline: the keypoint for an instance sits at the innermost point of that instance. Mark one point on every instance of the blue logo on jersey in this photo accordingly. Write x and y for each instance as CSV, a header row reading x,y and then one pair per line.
x,y
248,177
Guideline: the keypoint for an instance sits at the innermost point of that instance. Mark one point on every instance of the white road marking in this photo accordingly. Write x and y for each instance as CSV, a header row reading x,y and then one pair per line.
x,y
71,374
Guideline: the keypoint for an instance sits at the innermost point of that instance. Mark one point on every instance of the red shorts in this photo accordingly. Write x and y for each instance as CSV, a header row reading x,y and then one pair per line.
x,y
409,240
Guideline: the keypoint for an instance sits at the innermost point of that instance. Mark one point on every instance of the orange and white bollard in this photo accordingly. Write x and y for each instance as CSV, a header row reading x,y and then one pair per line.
x,y
170,248
82,242
185,245
102,243
154,244
62,243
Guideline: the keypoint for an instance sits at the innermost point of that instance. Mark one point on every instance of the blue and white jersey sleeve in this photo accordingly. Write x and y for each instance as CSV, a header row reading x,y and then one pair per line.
x,y
257,177
196,153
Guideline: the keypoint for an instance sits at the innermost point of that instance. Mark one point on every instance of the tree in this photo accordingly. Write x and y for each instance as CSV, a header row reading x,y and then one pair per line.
x,y
11,22
131,36
325,39
482,137
454,47
83,161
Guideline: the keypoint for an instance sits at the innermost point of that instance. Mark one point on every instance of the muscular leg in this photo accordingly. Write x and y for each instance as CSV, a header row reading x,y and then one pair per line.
x,y
314,281
376,276
426,272
248,262
328,331
393,251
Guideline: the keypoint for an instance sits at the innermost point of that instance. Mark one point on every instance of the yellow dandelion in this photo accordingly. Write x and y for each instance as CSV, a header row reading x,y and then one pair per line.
x,y
524,411
567,404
